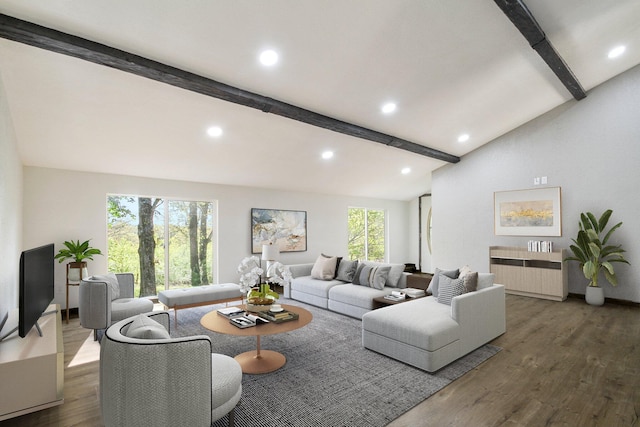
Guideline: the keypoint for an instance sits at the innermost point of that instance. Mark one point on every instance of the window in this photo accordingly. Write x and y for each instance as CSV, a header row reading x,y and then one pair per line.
x,y
366,234
165,243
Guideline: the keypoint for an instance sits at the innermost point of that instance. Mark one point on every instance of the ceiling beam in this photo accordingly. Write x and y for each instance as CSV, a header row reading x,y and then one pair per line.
x,y
524,21
55,41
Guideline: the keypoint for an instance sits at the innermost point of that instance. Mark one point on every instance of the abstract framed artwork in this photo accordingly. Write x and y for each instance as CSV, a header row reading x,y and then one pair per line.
x,y
535,212
284,228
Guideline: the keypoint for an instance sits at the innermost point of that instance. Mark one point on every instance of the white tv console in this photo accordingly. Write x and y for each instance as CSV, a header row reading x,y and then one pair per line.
x,y
32,368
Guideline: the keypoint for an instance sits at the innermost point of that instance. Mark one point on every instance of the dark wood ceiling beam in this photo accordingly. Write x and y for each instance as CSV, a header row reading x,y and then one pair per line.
x,y
524,21
56,41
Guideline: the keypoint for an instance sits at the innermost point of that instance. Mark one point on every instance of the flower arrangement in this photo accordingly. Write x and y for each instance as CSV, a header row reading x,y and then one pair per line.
x,y
250,273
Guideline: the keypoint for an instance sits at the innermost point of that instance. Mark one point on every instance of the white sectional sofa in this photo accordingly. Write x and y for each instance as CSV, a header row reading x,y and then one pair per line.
x,y
338,295
430,335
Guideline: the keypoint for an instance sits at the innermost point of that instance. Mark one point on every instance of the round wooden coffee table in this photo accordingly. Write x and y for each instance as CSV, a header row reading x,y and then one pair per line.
x,y
258,361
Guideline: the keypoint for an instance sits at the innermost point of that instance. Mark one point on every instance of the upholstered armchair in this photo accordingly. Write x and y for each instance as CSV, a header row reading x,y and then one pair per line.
x,y
150,379
107,299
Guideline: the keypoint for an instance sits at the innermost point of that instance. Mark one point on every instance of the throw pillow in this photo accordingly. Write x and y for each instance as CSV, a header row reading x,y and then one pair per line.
x,y
435,281
356,276
374,277
450,288
112,282
144,327
338,260
346,270
485,280
464,270
324,268
471,281
394,273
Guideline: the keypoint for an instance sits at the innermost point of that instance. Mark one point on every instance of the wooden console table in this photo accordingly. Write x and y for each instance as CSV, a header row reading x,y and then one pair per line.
x,y
534,274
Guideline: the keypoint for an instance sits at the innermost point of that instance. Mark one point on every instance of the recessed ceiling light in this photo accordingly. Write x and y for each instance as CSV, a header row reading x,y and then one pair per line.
x,y
269,57
616,52
327,155
405,171
214,131
463,138
389,108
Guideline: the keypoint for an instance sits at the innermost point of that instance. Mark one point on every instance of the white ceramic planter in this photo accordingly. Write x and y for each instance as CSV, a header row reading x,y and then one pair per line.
x,y
594,295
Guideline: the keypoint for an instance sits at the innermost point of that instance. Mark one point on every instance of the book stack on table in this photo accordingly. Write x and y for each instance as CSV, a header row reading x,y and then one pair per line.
x,y
277,317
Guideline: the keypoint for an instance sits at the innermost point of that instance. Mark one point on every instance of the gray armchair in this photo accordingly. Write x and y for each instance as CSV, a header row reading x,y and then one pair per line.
x,y
107,299
154,380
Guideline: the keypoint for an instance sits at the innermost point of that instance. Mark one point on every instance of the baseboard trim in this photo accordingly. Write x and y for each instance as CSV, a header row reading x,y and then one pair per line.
x,y
610,300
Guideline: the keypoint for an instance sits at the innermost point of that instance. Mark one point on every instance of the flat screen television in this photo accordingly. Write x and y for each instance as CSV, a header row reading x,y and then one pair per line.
x,y
36,286
36,289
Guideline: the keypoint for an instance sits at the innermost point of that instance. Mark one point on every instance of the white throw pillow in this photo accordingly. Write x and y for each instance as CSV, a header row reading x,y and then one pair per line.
x,y
143,327
324,268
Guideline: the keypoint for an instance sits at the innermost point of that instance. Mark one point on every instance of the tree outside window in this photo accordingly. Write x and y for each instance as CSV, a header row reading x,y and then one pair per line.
x,y
366,234
165,243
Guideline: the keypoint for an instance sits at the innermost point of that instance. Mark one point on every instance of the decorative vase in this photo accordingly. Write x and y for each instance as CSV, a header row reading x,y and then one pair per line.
x,y
594,295
260,298
77,271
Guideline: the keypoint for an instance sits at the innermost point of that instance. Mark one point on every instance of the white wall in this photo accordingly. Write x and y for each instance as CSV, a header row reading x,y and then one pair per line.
x,y
60,205
10,210
589,148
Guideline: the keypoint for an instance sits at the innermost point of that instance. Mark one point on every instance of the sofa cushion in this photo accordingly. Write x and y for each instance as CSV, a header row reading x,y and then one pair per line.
x,y
144,327
308,285
112,282
485,280
324,268
374,277
422,323
360,296
450,288
435,281
346,270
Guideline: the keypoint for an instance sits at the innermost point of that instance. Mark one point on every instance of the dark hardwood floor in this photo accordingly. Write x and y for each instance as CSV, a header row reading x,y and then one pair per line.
x,y
562,364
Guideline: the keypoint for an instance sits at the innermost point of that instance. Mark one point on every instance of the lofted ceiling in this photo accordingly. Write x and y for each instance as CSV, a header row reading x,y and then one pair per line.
x,y
452,68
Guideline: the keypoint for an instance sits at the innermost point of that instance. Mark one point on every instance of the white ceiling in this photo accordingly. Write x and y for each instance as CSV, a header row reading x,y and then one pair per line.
x,y
452,67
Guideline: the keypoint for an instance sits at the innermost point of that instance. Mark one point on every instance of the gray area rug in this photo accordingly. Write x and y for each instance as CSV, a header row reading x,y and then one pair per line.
x,y
329,378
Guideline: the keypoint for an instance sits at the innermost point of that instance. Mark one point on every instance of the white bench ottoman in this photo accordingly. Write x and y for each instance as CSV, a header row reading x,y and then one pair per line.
x,y
198,296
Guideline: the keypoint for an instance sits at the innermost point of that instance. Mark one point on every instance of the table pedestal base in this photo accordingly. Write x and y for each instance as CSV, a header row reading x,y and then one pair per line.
x,y
260,362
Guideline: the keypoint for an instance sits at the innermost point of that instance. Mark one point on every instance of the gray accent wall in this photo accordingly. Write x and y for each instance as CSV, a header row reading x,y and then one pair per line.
x,y
590,148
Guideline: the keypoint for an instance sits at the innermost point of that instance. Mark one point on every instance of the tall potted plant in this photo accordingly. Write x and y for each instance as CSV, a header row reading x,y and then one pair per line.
x,y
78,252
591,250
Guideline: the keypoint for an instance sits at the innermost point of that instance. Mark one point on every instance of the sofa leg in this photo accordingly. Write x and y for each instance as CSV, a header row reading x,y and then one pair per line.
x,y
232,417
95,335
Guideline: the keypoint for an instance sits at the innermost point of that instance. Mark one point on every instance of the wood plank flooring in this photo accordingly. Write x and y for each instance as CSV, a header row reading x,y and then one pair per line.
x,y
562,364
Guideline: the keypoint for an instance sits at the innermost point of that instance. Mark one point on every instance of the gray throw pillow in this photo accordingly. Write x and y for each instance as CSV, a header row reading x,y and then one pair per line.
x,y
143,327
435,281
450,288
471,281
374,277
356,275
112,282
346,270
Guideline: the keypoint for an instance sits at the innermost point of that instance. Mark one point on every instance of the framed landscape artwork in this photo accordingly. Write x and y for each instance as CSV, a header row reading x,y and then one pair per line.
x,y
283,228
534,212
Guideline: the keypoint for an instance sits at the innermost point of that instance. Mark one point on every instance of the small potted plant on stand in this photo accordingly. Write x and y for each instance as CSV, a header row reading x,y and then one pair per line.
x,y
79,252
590,249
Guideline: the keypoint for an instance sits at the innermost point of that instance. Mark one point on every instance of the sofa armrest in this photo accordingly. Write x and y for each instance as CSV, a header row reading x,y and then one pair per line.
x,y
95,304
125,282
480,314
300,270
